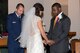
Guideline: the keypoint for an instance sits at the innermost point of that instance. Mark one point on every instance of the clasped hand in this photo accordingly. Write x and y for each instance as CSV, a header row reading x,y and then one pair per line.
x,y
49,42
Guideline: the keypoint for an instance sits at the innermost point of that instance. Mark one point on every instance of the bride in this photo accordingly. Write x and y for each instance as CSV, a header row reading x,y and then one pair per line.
x,y
32,30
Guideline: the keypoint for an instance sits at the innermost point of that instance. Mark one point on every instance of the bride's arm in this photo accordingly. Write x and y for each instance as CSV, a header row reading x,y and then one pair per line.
x,y
49,42
42,30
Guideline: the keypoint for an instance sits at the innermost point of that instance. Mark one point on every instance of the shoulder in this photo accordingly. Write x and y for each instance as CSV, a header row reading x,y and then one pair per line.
x,y
38,18
66,18
11,15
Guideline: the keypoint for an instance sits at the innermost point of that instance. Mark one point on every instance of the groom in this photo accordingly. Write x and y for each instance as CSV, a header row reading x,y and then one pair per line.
x,y
14,29
59,28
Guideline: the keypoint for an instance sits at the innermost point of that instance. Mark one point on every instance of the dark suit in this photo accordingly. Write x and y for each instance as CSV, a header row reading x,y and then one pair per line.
x,y
59,35
14,30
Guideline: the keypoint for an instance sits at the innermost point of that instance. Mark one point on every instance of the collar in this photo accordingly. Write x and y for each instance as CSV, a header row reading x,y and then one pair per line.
x,y
17,15
60,15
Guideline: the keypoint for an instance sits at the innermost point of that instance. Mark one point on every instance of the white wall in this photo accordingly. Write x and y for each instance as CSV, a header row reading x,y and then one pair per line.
x,y
28,4
12,5
74,14
47,12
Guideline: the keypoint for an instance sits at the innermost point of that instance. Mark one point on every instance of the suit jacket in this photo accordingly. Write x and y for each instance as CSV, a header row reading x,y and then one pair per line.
x,y
13,26
14,30
59,34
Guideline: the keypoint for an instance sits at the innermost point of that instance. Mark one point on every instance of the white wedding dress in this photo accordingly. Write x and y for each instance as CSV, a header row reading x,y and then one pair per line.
x,y
30,36
35,44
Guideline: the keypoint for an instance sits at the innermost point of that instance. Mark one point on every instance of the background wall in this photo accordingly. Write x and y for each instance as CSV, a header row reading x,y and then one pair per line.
x,y
28,4
70,8
74,14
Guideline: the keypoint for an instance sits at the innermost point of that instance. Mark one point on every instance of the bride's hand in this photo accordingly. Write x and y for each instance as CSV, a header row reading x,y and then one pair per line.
x,y
44,42
50,42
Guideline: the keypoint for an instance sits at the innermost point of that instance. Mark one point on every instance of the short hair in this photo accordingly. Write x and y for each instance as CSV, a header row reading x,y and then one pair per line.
x,y
58,5
19,4
38,7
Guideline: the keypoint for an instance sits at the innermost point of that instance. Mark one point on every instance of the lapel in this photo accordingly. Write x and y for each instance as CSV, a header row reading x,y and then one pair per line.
x,y
63,17
58,23
52,22
15,16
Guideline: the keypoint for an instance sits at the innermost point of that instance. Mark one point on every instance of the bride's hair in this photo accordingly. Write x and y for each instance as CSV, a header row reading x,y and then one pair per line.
x,y
38,7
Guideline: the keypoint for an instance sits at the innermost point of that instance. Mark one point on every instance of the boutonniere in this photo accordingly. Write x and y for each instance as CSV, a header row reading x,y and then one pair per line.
x,y
60,17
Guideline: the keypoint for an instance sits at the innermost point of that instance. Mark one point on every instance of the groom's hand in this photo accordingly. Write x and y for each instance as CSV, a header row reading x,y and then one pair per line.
x,y
51,42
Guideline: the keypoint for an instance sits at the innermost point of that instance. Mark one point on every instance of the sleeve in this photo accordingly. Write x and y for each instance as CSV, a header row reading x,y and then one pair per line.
x,y
38,18
9,25
66,28
50,30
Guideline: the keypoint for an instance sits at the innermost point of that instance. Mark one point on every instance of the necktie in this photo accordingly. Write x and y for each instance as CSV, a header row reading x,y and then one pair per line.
x,y
56,20
19,18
